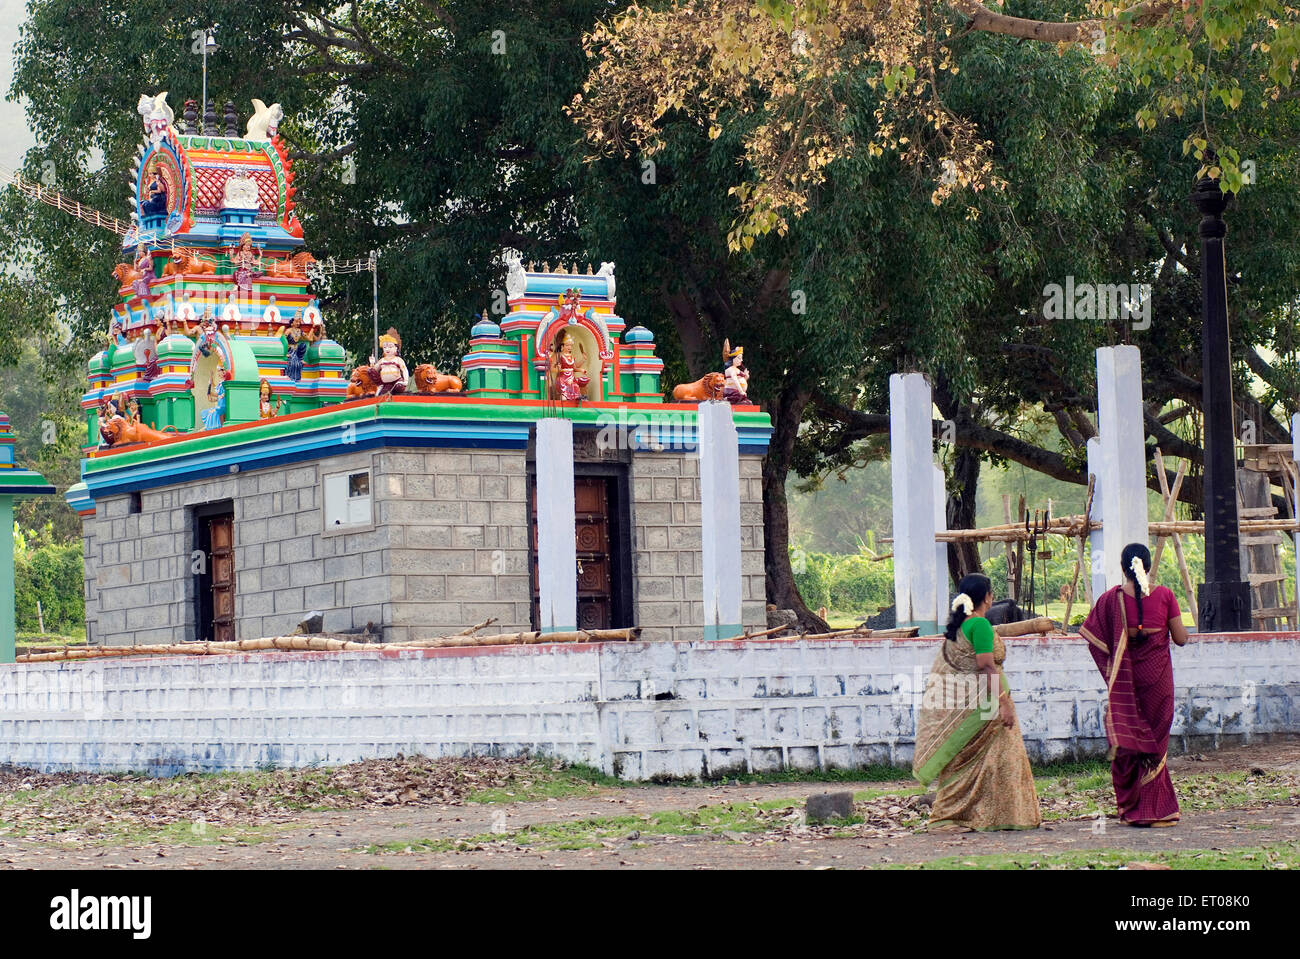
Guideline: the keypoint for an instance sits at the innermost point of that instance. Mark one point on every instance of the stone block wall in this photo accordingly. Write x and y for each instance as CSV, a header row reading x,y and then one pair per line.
x,y
448,548
666,545
639,710
458,532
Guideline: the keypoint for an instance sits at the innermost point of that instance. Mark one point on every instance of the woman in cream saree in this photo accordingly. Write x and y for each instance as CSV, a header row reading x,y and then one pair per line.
x,y
968,738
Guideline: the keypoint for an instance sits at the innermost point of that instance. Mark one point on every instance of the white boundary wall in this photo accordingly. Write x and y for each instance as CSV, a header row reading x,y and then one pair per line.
x,y
639,710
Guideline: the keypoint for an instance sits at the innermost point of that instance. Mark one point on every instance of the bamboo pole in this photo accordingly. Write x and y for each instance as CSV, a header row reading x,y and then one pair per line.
x,y
628,635
1078,558
1171,501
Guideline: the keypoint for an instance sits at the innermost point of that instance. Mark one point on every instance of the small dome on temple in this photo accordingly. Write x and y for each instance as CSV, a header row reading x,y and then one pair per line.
x,y
326,350
99,362
485,328
638,334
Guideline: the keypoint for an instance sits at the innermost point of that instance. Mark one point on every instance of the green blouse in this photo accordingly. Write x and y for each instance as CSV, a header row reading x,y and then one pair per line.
x,y
980,633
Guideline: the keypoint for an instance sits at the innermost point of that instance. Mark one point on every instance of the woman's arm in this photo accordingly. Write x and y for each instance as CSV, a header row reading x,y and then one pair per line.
x,y
1177,631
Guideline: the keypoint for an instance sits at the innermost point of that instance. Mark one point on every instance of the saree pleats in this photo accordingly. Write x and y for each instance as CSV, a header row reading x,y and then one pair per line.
x,y
979,766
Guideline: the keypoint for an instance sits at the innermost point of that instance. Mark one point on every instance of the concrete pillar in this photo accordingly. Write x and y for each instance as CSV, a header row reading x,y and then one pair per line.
x,y
8,627
720,519
557,535
942,582
1122,485
911,464
1096,539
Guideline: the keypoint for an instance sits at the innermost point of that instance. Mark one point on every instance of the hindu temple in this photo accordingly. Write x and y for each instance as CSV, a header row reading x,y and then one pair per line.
x,y
238,477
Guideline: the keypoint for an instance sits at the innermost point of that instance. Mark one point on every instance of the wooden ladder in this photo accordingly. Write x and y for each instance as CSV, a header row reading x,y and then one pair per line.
x,y
1269,606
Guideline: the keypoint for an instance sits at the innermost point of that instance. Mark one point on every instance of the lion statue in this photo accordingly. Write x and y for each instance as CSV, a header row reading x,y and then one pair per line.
x,y
187,261
429,380
120,431
126,274
364,383
707,387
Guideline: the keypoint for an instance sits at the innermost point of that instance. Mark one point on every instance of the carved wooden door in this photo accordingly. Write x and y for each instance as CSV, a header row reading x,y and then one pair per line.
x,y
221,536
595,560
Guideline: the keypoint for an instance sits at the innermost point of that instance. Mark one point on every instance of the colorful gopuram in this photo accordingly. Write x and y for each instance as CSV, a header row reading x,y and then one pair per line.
x,y
238,479
215,295
510,359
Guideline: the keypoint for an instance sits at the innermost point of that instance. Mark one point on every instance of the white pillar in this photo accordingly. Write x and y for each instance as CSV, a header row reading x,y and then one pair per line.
x,y
1123,433
941,580
1096,539
557,535
720,519
911,464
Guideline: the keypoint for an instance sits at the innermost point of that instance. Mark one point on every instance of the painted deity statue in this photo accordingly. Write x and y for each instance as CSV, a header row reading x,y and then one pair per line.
x,y
391,369
268,406
246,261
146,353
116,335
736,389
155,196
568,377
109,410
295,342
144,264
205,340
213,416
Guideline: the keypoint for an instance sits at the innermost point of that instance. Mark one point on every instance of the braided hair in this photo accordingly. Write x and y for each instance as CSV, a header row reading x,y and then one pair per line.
x,y
971,592
1137,552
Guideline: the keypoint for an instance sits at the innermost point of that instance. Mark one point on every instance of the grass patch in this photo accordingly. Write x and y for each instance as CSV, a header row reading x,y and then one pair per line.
x,y
1283,855
540,782
592,833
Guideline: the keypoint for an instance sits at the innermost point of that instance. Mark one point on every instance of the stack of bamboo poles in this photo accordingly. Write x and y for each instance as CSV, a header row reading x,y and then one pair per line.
x,y
328,644
1026,628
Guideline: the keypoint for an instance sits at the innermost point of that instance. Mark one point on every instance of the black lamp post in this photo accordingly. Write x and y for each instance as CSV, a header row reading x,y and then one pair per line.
x,y
1223,598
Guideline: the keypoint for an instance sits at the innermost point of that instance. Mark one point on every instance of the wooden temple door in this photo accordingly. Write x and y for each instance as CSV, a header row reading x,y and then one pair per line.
x,y
593,518
595,596
221,536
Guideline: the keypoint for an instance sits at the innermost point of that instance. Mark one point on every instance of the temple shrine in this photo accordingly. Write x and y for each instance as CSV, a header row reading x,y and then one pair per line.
x,y
239,477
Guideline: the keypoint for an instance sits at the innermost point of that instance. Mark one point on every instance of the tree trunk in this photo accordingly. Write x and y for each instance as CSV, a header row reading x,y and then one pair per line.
x,y
964,557
786,412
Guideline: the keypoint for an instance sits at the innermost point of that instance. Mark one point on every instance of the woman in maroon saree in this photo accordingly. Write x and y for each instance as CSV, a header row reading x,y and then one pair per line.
x,y
1135,661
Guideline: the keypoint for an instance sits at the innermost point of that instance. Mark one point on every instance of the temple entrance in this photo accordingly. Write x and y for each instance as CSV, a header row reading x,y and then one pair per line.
x,y
213,565
604,548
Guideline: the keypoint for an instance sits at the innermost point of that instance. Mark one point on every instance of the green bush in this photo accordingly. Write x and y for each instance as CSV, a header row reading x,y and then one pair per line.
x,y
856,583
54,575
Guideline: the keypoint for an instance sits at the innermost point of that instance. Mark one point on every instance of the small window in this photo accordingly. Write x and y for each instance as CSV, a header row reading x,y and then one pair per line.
x,y
347,500
134,505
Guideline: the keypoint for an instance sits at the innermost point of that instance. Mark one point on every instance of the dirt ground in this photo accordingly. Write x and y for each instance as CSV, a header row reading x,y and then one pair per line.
x,y
348,838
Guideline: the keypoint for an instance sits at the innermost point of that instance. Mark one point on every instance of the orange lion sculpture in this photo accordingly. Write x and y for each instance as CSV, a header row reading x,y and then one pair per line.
x,y
120,431
364,382
707,387
296,265
429,380
126,274
186,261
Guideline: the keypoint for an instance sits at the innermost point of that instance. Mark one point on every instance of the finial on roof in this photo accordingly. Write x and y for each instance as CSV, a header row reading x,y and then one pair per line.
x,y
210,119
232,119
589,273
530,266
546,266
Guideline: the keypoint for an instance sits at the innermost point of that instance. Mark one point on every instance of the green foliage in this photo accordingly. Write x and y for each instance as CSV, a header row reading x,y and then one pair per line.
x,y
856,583
52,574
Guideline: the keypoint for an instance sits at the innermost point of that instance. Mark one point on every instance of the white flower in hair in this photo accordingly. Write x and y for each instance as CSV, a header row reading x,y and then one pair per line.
x,y
1140,575
964,603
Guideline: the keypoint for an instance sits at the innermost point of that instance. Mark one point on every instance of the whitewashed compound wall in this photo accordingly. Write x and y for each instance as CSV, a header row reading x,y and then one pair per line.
x,y
641,710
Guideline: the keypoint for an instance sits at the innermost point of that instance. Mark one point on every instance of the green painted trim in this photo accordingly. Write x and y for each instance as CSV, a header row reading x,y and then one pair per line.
x,y
547,630
714,631
8,627
927,627
339,416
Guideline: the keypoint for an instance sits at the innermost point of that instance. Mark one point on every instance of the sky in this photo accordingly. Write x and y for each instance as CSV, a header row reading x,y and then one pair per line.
x,y
15,138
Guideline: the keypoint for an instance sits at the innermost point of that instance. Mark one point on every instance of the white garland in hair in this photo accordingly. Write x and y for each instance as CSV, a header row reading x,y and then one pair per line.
x,y
963,602
1140,575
